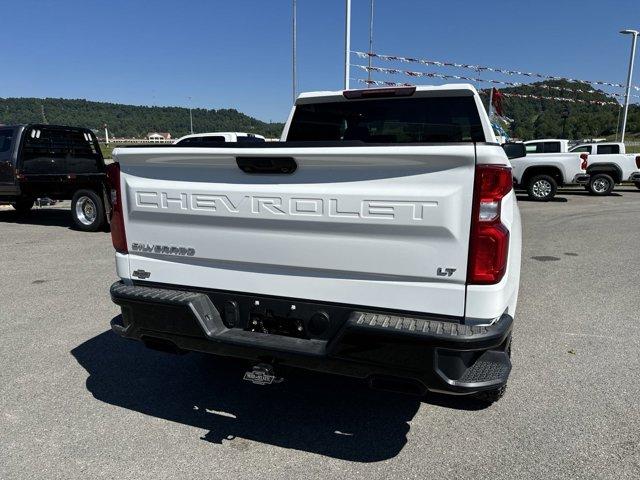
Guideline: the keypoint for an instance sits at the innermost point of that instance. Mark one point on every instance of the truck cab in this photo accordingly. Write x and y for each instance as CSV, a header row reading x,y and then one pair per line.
x,y
604,148
54,161
609,165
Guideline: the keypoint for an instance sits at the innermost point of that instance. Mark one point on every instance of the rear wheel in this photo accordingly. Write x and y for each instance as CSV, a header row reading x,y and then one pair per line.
x,y
23,205
601,184
87,210
542,188
491,396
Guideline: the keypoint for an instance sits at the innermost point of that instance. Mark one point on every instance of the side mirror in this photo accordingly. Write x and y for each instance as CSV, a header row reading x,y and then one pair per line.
x,y
514,150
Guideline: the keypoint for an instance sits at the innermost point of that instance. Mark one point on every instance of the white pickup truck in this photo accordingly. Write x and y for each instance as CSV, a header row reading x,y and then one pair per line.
x,y
608,162
213,138
380,240
545,168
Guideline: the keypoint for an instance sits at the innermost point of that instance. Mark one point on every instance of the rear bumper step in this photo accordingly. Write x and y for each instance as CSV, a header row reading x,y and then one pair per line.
x,y
440,333
441,354
581,178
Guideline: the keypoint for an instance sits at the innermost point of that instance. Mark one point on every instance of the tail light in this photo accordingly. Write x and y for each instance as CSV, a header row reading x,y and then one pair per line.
x,y
638,161
583,161
118,236
489,241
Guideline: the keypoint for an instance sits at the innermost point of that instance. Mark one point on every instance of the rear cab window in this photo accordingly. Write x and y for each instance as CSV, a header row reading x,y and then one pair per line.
x,y
389,121
534,147
551,147
608,149
582,149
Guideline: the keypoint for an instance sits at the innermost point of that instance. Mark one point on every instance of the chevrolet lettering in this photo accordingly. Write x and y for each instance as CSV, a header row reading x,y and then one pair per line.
x,y
248,205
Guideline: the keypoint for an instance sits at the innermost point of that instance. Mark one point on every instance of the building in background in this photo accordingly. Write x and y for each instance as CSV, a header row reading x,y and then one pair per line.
x,y
158,137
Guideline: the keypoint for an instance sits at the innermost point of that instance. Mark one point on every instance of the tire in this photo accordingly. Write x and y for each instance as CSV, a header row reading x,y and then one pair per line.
x,y
542,188
601,184
491,396
87,211
23,205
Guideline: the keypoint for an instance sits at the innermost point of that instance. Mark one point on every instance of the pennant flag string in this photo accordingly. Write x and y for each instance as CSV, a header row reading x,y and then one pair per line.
x,y
394,71
480,68
560,99
519,95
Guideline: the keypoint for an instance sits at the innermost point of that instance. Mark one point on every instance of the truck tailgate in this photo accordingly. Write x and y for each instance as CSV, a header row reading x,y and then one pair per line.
x,y
369,226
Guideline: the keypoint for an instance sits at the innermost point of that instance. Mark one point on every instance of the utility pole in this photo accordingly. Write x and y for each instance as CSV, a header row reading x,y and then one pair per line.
x,y
490,114
627,95
370,43
347,44
564,116
295,51
106,134
190,116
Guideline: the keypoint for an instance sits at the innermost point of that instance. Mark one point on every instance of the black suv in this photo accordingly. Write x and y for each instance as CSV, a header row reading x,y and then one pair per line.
x,y
61,163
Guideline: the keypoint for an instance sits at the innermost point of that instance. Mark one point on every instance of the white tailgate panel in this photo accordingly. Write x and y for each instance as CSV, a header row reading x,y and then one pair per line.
x,y
364,226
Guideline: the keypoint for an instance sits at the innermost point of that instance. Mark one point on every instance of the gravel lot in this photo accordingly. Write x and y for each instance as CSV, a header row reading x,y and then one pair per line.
x,y
78,402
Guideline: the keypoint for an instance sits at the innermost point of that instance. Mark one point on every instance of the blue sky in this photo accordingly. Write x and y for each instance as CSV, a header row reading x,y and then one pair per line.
x,y
238,54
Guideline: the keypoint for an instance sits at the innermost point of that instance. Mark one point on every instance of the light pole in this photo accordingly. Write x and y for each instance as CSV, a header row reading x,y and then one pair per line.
x,y
347,44
627,95
370,43
294,52
190,116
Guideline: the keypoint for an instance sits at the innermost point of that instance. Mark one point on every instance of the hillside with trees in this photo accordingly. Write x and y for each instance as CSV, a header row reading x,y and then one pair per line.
x,y
129,121
538,118
532,118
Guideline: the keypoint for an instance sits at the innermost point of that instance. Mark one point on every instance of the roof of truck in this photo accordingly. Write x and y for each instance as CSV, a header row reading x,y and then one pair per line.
x,y
46,125
216,134
460,88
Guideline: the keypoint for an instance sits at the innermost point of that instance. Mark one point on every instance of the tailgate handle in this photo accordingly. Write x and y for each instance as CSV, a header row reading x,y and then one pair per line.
x,y
281,165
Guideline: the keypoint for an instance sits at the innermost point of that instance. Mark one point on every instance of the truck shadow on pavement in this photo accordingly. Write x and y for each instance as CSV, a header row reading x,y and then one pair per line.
x,y
584,193
49,217
322,414
524,198
559,198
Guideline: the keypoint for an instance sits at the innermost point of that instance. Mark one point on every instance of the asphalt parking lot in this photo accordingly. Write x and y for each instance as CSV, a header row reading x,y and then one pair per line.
x,y
76,401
